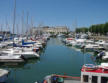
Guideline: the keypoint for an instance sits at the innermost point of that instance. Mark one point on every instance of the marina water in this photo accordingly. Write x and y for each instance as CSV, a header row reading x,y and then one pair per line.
x,y
56,58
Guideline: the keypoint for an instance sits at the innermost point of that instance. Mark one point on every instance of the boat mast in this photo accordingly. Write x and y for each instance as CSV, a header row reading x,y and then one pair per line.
x,y
27,24
6,28
22,22
17,29
14,18
75,25
31,33
1,27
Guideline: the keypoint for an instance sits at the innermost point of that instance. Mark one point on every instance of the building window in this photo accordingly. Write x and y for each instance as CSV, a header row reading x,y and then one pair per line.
x,y
85,78
104,79
94,79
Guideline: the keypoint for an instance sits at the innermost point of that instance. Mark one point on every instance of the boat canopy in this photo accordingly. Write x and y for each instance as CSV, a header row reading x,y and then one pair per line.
x,y
15,45
26,43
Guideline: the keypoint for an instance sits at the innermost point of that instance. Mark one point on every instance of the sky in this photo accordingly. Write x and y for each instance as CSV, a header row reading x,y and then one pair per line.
x,y
71,13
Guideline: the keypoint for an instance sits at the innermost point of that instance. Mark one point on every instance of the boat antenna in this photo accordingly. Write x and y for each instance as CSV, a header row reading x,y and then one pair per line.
x,y
14,18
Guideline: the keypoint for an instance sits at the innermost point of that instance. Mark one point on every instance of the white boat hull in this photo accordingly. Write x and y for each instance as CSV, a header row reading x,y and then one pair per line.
x,y
3,75
3,78
30,55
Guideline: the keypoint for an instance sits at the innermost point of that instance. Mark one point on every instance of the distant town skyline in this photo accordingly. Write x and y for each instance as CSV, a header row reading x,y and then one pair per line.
x,y
71,13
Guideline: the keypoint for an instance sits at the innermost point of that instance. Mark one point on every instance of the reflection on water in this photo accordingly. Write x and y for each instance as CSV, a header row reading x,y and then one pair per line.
x,y
56,58
12,65
17,66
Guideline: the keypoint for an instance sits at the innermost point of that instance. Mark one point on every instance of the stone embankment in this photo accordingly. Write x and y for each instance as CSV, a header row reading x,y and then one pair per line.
x,y
99,37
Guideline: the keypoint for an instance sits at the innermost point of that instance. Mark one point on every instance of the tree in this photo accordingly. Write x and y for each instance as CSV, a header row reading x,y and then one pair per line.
x,y
95,29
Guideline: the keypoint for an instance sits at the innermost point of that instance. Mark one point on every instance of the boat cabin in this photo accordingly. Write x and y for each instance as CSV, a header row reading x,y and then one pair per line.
x,y
94,74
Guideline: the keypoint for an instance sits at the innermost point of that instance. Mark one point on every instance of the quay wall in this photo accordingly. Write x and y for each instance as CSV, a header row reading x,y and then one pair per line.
x,y
99,37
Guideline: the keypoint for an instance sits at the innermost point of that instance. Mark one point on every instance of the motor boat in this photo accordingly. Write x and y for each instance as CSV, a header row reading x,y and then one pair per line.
x,y
105,55
29,47
101,42
26,54
90,73
68,40
73,43
29,54
4,57
79,43
94,73
93,47
60,79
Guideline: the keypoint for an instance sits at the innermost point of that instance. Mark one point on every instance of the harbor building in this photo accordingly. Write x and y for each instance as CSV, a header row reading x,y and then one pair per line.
x,y
47,29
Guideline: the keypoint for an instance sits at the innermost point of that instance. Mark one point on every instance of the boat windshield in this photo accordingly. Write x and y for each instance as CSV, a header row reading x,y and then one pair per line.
x,y
89,65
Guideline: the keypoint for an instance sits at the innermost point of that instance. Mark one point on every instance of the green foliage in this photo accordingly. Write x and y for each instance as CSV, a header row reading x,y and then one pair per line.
x,y
51,32
96,29
83,29
65,33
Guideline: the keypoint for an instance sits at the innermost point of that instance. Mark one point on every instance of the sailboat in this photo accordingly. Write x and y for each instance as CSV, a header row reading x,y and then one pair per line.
x,y
9,57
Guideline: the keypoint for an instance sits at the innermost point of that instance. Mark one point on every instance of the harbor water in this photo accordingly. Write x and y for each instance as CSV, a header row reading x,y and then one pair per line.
x,y
56,58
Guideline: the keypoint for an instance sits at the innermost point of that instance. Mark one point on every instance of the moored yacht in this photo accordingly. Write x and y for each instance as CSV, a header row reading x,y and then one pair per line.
x,y
79,43
100,42
26,54
67,41
94,74
93,47
104,55
4,57
73,42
